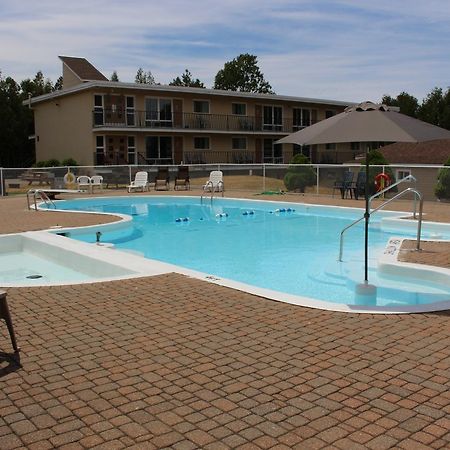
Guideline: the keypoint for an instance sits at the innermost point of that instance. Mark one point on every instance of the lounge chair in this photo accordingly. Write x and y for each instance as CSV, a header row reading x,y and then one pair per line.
x,y
140,182
97,181
162,179
215,182
359,186
344,185
182,178
84,182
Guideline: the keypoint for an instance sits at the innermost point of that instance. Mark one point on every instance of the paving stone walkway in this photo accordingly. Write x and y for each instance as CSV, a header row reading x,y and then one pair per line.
x,y
174,362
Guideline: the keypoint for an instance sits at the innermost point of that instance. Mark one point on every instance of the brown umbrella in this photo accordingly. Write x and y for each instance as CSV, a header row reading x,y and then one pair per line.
x,y
367,122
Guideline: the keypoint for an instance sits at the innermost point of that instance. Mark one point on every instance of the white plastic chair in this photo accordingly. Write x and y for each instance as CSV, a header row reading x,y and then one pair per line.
x,y
140,182
84,183
96,181
215,182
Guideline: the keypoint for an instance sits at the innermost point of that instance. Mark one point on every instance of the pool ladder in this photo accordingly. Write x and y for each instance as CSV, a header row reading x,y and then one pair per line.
x,y
417,195
42,195
219,186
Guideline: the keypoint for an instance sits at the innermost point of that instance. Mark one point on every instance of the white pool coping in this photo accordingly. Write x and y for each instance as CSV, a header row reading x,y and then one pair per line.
x,y
144,267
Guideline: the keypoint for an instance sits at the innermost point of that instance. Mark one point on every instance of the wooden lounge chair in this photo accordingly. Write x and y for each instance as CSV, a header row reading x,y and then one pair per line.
x,y
140,182
182,178
162,179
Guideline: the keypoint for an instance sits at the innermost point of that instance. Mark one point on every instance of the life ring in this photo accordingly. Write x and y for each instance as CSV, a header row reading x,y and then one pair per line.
x,y
69,178
382,180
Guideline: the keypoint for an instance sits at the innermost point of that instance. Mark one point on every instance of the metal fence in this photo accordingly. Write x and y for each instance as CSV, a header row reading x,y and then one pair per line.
x,y
252,178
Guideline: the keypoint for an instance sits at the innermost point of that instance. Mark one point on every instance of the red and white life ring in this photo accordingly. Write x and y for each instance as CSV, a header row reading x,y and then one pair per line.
x,y
382,181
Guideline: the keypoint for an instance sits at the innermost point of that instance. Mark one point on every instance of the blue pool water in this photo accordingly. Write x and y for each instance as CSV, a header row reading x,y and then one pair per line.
x,y
293,251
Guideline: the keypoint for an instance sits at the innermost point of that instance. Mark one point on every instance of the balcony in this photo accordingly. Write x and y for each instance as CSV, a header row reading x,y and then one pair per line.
x,y
198,122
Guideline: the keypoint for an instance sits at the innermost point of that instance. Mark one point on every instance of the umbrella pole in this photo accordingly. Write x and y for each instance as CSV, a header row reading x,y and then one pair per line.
x,y
366,218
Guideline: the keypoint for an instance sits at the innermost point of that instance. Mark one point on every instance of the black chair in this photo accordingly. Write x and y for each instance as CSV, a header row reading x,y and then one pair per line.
x,y
359,186
162,179
182,179
344,185
6,316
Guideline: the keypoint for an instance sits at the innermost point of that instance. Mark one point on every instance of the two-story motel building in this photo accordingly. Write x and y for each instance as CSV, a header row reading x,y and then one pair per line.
x,y
97,122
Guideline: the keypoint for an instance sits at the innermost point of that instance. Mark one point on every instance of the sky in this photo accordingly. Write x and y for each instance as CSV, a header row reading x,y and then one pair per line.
x,y
349,50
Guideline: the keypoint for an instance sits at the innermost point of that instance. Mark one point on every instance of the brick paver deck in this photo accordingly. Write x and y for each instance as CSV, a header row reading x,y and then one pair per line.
x,y
173,362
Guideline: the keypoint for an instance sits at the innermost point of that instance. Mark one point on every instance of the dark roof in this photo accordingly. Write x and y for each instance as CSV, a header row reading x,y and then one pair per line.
x,y
430,152
83,69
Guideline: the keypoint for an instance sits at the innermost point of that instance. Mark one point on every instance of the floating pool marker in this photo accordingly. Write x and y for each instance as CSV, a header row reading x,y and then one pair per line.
x,y
248,213
221,215
182,219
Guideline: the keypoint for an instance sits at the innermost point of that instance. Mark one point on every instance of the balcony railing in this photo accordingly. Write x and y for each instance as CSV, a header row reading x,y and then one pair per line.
x,y
191,121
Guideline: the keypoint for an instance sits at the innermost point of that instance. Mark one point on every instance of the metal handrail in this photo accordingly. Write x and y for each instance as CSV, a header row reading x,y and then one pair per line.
x,y
43,195
388,188
417,194
213,188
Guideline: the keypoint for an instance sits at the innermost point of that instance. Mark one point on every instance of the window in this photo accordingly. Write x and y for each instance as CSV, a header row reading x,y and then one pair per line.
x,y
130,111
355,146
302,150
301,118
402,173
272,152
239,109
239,143
100,150
158,111
329,113
98,110
201,143
330,146
273,118
201,106
158,148
131,146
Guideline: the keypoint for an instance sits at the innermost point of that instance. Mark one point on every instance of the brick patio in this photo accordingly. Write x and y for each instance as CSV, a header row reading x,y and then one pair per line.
x,y
174,362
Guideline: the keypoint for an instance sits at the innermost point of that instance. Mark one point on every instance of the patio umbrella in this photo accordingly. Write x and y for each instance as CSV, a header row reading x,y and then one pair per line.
x,y
367,122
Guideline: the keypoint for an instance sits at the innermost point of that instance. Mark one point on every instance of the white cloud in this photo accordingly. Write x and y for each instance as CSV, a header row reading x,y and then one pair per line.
x,y
340,49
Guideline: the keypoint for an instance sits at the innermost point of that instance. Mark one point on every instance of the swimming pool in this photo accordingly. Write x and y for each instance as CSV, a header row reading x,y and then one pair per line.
x,y
287,248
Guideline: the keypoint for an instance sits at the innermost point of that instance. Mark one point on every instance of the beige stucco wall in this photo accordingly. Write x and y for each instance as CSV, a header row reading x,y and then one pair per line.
x,y
64,128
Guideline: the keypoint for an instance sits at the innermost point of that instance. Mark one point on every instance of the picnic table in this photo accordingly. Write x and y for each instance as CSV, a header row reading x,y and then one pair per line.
x,y
37,176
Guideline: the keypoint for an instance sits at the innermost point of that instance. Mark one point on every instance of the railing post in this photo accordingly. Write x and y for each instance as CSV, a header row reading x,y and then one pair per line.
x,y
317,181
129,173
264,178
2,183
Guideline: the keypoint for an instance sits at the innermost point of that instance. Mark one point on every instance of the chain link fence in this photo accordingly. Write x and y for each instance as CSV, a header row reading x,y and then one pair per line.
x,y
322,179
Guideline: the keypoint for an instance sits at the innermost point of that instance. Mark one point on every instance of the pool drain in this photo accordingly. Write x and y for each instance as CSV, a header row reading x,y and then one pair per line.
x,y
34,277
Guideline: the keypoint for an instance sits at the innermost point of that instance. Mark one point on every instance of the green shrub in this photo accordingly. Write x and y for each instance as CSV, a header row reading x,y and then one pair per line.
x,y
298,178
49,163
442,189
69,162
53,163
376,158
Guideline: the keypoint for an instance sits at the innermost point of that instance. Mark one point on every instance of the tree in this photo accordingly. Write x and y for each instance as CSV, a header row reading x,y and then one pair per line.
x,y
58,84
408,104
242,74
297,178
432,109
38,86
442,189
144,77
114,76
187,81
16,124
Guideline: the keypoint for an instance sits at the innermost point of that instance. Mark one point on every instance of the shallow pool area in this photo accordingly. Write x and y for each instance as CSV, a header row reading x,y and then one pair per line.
x,y
46,259
279,250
